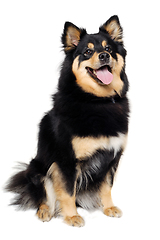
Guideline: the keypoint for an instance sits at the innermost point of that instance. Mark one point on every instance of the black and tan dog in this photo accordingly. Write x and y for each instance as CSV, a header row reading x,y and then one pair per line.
x,y
84,135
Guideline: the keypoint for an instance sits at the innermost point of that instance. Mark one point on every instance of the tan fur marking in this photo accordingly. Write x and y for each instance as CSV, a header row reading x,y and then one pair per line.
x,y
104,43
85,147
105,195
91,45
88,84
93,62
67,202
117,83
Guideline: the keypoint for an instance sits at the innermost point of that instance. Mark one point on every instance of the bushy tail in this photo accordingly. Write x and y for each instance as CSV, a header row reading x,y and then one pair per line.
x,y
28,186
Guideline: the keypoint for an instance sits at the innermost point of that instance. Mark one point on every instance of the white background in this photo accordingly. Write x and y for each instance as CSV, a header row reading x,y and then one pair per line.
x,y
30,56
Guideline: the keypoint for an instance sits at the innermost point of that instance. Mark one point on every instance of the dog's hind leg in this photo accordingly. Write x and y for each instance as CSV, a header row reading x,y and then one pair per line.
x,y
43,213
46,210
66,201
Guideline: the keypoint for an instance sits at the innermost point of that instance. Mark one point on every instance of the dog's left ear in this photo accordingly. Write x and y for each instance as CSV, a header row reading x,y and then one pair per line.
x,y
71,36
113,28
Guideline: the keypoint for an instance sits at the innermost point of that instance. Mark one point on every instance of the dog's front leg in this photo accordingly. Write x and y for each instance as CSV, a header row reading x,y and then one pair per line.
x,y
106,199
69,210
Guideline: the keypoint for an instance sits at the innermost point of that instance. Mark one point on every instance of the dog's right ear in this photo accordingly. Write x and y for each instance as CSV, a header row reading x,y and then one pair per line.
x,y
71,36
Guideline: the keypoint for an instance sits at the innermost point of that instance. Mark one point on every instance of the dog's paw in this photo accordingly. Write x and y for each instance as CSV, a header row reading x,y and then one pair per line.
x,y
113,212
75,221
43,213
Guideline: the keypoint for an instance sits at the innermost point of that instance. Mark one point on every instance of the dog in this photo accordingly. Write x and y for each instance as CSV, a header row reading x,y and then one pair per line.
x,y
81,139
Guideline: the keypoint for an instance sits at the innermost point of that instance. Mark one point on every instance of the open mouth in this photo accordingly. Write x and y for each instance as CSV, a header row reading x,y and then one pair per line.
x,y
102,75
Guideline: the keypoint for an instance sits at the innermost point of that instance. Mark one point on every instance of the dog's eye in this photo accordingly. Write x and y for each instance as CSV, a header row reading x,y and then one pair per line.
x,y
88,52
108,49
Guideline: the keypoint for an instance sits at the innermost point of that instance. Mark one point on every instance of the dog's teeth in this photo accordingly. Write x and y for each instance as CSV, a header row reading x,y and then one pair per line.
x,y
94,72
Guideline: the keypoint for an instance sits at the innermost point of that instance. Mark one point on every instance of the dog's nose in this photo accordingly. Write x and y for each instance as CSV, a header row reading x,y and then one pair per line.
x,y
103,57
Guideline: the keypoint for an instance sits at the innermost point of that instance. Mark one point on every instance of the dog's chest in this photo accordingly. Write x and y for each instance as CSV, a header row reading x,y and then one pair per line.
x,y
86,146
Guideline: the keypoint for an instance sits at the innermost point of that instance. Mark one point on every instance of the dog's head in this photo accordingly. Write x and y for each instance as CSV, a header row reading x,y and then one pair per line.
x,y
98,59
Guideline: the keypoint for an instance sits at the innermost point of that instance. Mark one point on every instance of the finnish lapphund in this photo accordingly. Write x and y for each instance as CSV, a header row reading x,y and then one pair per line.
x,y
81,139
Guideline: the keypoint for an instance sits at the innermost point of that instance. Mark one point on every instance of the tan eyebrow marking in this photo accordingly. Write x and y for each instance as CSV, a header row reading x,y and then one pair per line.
x,y
104,43
91,45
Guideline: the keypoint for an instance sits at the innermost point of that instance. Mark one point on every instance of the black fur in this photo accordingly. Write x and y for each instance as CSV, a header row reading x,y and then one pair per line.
x,y
28,186
74,113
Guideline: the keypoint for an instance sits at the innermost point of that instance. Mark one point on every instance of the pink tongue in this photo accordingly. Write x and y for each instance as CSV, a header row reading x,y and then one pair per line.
x,y
104,75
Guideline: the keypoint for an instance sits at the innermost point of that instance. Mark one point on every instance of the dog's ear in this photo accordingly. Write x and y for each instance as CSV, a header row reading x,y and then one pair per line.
x,y
71,36
113,28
